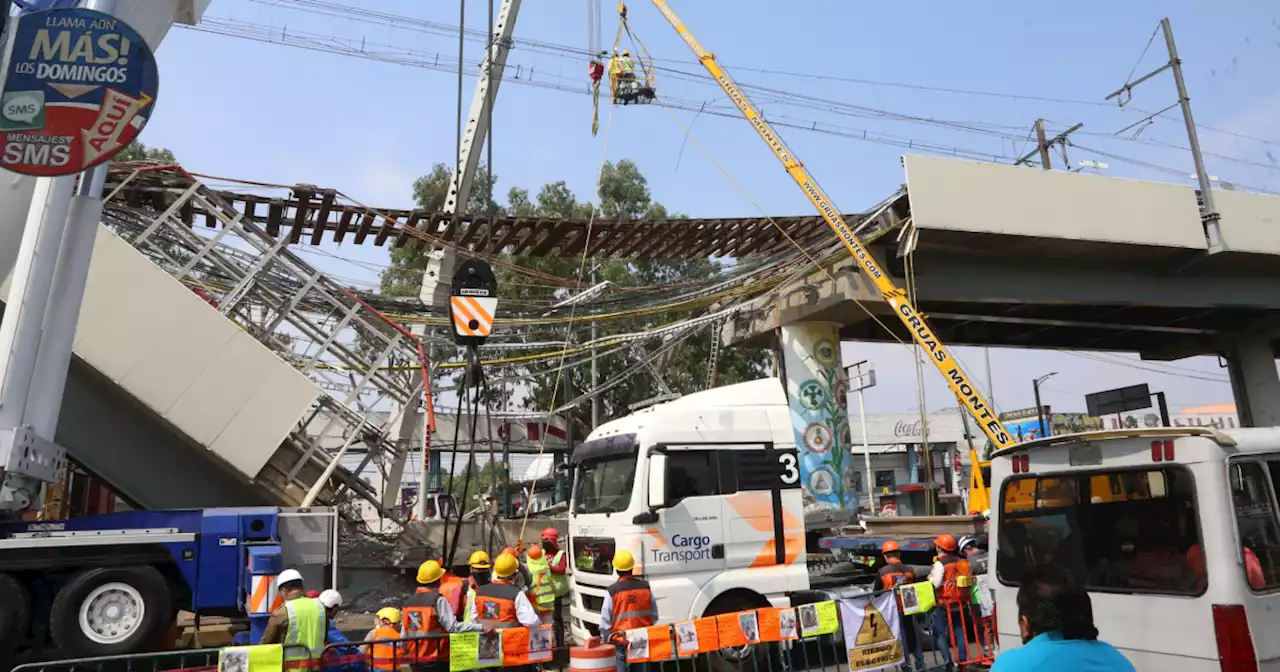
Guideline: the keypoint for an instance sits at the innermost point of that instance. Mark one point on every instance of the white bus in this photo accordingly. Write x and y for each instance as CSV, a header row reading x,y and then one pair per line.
x,y
1173,531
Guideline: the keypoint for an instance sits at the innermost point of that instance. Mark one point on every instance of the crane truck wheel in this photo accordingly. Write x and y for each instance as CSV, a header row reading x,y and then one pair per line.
x,y
743,658
15,616
111,611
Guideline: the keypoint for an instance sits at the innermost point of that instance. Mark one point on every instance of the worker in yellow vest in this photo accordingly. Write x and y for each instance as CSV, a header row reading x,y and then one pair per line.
x,y
541,592
300,623
558,560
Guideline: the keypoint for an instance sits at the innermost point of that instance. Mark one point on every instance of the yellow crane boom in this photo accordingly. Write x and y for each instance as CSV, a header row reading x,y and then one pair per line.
x,y
959,382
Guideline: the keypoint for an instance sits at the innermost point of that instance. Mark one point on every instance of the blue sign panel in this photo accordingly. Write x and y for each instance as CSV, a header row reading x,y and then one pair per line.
x,y
80,85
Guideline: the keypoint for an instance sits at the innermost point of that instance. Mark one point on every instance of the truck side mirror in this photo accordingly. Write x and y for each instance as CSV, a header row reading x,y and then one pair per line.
x,y
657,481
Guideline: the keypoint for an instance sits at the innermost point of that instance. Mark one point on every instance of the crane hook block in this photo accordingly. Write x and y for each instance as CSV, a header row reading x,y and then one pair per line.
x,y
473,300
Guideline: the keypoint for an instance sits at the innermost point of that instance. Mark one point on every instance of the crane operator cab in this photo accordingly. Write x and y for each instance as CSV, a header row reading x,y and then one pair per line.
x,y
631,80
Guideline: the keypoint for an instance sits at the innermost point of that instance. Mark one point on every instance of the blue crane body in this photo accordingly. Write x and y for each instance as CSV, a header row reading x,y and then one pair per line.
x,y
112,583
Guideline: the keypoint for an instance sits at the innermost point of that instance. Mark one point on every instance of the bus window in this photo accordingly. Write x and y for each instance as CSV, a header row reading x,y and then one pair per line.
x,y
1251,494
1135,541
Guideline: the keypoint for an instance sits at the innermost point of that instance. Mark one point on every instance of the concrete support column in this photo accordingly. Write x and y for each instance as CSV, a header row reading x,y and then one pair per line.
x,y
817,396
1254,380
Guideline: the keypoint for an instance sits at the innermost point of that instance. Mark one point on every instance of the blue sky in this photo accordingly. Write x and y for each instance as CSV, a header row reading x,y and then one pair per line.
x,y
280,114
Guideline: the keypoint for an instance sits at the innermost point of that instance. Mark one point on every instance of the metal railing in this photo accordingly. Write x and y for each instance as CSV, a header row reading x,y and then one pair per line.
x,y
189,660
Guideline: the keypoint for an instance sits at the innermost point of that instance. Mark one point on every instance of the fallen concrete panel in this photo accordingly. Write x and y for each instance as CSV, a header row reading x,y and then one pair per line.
x,y
976,197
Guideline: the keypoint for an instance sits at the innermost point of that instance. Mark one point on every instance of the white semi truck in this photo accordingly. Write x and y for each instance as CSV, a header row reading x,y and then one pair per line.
x,y
706,493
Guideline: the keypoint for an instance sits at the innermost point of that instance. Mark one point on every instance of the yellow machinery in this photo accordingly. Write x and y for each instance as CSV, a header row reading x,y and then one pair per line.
x,y
959,381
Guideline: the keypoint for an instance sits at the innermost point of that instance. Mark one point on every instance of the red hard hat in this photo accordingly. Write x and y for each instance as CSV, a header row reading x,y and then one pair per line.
x,y
551,534
946,542
313,594
889,547
509,549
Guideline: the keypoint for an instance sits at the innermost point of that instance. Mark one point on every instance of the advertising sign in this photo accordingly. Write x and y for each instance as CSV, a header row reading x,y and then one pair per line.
x,y
1024,424
79,87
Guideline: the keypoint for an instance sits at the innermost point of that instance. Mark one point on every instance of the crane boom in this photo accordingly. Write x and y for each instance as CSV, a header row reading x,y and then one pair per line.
x,y
959,381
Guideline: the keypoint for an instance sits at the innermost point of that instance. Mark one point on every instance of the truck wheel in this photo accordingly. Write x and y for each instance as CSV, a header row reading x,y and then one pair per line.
x,y
15,616
744,658
111,611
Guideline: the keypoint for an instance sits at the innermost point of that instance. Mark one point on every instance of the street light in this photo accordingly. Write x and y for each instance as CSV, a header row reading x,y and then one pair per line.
x,y
1035,385
862,376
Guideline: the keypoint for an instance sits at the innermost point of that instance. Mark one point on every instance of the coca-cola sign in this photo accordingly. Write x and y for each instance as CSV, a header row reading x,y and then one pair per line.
x,y
904,429
887,429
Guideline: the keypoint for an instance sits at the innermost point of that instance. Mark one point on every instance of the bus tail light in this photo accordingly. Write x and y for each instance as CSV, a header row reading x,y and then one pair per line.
x,y
1017,465
1168,450
1026,463
1157,451
1235,645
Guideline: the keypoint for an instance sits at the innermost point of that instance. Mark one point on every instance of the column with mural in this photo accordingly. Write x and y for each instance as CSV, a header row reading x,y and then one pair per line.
x,y
818,399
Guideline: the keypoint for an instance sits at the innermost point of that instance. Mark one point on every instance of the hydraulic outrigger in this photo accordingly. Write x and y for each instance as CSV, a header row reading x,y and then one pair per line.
x,y
959,382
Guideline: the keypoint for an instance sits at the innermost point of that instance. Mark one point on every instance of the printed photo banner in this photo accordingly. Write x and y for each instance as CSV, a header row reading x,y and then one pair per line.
x,y
500,648
258,658
697,636
819,618
650,644
916,598
872,631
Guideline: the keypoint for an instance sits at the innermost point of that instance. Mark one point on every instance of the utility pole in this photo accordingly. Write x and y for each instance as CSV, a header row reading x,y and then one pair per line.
x,y
1043,145
862,376
1039,408
1209,215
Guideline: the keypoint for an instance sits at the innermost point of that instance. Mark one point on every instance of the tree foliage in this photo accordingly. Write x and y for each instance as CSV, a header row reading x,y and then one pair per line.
x,y
136,151
623,193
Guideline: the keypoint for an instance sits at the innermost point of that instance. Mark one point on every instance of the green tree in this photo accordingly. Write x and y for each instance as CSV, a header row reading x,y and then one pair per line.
x,y
404,276
623,193
136,151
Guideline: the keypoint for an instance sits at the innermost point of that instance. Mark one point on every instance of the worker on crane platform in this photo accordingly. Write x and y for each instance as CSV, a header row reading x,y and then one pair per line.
x,y
300,622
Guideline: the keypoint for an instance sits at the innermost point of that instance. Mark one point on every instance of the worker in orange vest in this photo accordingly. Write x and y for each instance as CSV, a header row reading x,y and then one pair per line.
x,y
950,615
500,603
429,615
386,652
895,574
628,604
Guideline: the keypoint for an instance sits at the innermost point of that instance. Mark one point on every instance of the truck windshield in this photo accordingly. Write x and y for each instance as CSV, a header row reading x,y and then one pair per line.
x,y
604,486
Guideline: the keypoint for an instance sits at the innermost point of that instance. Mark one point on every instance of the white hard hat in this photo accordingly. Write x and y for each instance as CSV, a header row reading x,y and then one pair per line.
x,y
288,576
331,599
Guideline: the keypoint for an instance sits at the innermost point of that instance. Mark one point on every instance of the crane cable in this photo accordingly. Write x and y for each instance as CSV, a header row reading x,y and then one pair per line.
x,y
568,336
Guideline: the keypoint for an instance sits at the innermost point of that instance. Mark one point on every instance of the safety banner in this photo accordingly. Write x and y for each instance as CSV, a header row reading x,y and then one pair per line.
x,y
738,629
777,625
701,635
917,598
649,644
474,650
259,658
525,646
818,618
872,631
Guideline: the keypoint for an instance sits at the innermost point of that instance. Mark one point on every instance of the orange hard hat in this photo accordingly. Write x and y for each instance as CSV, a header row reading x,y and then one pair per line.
x,y
535,552
509,549
551,534
946,542
889,547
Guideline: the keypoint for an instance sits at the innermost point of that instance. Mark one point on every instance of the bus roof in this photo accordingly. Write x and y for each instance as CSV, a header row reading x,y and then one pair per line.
x,y
1142,432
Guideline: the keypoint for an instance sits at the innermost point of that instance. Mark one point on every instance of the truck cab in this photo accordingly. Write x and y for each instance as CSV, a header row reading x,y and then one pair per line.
x,y
705,492
1173,532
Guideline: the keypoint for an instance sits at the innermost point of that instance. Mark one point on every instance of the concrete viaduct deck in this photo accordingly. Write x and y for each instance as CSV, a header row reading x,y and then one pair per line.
x,y
1019,257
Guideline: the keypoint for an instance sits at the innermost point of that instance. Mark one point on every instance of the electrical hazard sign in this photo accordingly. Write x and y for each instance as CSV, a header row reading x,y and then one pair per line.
x,y
79,87
874,630
877,642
